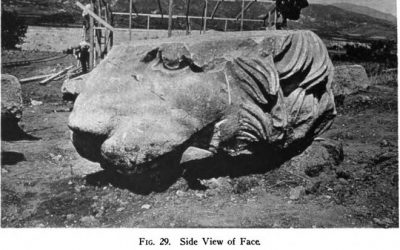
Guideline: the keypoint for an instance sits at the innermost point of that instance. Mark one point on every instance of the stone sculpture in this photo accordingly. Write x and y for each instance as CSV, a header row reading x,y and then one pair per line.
x,y
11,104
154,104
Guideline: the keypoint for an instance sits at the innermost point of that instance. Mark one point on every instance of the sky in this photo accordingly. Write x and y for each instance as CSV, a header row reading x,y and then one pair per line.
x,y
388,6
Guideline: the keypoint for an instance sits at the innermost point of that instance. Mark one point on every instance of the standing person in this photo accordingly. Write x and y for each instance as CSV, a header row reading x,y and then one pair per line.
x,y
84,55
84,46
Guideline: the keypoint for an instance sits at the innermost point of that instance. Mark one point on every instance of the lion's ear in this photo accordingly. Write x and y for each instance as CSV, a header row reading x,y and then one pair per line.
x,y
150,56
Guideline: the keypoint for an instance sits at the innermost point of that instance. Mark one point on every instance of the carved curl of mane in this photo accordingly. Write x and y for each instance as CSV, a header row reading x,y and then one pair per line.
x,y
290,91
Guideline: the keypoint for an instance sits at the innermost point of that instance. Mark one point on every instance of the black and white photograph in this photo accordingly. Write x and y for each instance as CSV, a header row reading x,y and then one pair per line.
x,y
193,114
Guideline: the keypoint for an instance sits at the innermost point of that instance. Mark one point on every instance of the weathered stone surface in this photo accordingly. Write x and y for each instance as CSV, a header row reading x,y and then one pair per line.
x,y
241,94
317,158
72,87
348,80
11,104
11,98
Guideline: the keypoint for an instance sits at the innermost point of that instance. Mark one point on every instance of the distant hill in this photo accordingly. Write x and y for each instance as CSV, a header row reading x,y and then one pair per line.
x,y
325,20
328,20
386,6
366,11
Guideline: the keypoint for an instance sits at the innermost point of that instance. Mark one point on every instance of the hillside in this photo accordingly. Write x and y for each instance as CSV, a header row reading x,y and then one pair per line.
x,y
326,20
386,6
366,11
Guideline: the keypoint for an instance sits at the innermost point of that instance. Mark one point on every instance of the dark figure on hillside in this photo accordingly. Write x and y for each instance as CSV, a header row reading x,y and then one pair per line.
x,y
290,9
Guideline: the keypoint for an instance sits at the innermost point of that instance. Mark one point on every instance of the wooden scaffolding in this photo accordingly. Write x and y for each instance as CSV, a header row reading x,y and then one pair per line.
x,y
100,21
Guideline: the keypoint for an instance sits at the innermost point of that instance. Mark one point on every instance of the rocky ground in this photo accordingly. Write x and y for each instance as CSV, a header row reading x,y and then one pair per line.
x,y
45,183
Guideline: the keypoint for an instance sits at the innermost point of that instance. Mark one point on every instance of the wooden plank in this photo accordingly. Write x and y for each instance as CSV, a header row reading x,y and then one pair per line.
x,y
96,17
34,78
56,74
171,2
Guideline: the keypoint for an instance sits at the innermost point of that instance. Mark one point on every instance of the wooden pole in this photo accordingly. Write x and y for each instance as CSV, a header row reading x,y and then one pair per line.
x,y
148,27
275,17
109,32
205,17
245,8
171,2
216,8
226,25
91,41
105,31
94,16
130,20
187,17
241,20
161,10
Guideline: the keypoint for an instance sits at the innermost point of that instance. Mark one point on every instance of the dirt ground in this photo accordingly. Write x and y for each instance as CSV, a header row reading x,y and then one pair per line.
x,y
45,183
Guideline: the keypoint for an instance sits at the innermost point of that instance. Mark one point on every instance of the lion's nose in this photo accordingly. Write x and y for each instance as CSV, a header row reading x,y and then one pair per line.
x,y
97,123
89,131
88,145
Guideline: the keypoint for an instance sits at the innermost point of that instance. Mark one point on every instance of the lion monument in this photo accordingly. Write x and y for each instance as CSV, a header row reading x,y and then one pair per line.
x,y
158,105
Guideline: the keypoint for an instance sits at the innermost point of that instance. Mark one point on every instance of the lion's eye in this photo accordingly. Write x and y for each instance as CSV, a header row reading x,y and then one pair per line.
x,y
150,56
172,64
181,63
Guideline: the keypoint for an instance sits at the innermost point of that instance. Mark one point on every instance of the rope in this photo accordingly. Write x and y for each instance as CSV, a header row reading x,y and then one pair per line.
x,y
27,62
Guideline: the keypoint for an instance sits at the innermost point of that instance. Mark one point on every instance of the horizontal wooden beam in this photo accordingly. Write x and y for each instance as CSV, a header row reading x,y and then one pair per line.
x,y
96,17
184,16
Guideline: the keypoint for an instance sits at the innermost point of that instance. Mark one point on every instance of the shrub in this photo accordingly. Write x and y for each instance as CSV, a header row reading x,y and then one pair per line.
x,y
13,29
385,78
57,18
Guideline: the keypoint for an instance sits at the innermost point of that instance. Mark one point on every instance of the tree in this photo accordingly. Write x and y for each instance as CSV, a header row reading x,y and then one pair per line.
x,y
13,29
